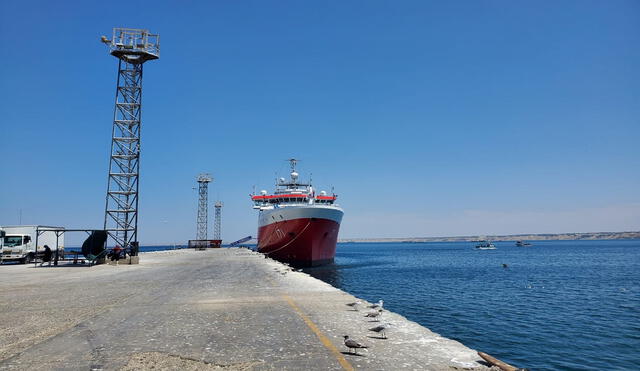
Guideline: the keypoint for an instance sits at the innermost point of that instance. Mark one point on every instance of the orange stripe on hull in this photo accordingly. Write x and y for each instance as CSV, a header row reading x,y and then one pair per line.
x,y
300,242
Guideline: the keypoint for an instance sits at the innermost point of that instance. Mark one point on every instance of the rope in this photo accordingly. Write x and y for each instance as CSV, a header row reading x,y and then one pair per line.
x,y
296,237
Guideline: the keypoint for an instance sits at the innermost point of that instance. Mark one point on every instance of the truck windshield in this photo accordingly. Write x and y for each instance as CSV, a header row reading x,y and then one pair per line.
x,y
10,241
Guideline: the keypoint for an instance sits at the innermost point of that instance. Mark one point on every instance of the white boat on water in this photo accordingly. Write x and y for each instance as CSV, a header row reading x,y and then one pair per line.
x,y
485,245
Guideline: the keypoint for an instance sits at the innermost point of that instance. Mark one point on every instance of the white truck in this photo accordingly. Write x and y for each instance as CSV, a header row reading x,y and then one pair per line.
x,y
22,242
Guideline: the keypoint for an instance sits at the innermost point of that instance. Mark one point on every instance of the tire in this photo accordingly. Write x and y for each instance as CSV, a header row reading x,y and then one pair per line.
x,y
27,259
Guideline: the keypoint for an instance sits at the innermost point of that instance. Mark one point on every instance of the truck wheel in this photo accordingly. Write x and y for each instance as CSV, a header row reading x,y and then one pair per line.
x,y
27,259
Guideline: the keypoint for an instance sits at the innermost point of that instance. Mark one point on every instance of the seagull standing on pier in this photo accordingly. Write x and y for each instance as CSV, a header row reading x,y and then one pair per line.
x,y
352,344
381,329
374,314
377,305
355,305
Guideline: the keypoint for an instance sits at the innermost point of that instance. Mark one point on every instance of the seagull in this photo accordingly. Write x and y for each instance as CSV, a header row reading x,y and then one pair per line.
x,y
352,344
374,314
381,329
377,305
355,305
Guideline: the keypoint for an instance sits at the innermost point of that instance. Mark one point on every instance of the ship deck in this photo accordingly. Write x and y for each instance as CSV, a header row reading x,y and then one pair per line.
x,y
213,309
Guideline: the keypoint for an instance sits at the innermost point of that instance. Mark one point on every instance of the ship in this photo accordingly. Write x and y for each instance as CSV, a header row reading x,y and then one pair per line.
x,y
485,245
522,243
295,225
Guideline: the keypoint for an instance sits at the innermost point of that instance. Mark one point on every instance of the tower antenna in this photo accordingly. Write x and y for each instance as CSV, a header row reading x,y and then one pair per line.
x,y
132,47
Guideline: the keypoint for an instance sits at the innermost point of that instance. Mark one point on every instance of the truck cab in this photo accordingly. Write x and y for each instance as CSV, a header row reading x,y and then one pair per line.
x,y
17,247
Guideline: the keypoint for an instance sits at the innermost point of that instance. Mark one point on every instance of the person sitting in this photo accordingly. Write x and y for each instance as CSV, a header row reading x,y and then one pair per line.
x,y
46,257
115,253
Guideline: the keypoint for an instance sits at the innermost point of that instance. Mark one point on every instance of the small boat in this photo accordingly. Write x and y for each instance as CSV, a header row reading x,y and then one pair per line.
x,y
485,245
522,243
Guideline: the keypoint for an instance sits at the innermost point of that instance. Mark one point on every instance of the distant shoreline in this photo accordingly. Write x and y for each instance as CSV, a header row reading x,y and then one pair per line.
x,y
511,237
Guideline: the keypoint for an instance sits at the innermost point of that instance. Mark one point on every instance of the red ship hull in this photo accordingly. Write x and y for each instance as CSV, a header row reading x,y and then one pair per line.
x,y
302,242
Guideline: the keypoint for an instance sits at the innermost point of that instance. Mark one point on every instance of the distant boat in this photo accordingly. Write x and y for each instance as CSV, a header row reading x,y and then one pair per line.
x,y
522,243
485,245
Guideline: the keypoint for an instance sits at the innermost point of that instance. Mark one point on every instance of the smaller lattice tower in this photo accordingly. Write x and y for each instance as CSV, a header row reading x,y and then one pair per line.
x,y
217,221
203,217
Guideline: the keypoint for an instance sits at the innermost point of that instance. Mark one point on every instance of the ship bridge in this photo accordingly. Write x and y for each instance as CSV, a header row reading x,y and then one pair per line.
x,y
292,192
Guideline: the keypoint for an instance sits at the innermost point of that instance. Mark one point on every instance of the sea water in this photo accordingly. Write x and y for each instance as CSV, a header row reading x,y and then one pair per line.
x,y
558,305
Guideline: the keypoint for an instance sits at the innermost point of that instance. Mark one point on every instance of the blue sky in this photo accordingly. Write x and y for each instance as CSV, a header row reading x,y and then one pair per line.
x,y
428,118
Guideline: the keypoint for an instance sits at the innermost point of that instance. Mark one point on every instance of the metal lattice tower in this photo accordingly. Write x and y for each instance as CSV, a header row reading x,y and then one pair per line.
x,y
132,47
203,194
217,221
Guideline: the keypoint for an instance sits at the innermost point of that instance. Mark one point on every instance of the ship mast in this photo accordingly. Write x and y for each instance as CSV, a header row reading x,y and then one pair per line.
x,y
294,173
293,162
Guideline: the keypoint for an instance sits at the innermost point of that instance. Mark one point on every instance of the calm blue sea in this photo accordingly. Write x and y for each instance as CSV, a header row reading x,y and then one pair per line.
x,y
560,305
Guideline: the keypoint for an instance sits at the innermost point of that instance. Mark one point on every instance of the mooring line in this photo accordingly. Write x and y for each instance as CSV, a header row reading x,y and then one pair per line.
x,y
323,338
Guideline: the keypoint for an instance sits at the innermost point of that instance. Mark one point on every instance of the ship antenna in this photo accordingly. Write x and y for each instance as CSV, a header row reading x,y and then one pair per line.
x,y
294,174
293,163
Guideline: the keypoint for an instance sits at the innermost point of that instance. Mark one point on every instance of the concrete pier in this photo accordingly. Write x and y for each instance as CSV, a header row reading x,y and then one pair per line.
x,y
226,309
